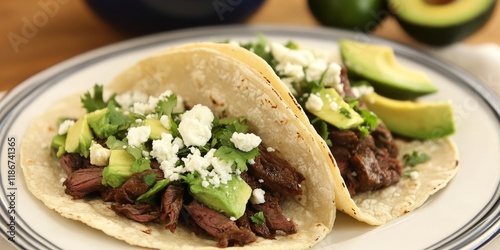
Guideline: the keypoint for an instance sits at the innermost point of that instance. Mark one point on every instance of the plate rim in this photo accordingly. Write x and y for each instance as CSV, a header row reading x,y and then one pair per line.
x,y
476,234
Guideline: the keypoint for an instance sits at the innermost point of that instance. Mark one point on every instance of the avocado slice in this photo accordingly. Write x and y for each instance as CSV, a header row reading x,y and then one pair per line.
x,y
156,128
441,23
58,145
118,169
230,199
79,137
418,120
377,64
341,115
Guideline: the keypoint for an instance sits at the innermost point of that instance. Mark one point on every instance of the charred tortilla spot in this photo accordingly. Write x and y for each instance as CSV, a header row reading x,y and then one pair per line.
x,y
456,163
267,80
214,101
51,129
277,94
147,231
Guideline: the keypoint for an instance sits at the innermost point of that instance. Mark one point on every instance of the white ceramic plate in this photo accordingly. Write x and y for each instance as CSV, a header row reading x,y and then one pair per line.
x,y
464,214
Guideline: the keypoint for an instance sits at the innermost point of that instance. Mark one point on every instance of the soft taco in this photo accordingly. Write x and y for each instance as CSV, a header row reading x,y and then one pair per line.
x,y
379,176
192,148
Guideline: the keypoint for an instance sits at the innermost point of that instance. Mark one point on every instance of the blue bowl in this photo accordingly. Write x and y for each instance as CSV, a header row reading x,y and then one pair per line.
x,y
148,16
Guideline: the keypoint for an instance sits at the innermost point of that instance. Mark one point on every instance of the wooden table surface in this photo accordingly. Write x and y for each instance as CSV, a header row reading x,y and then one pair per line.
x,y
72,29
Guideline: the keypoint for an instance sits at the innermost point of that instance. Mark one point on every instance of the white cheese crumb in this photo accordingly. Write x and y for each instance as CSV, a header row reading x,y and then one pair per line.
x,y
99,155
314,103
257,196
331,77
196,126
127,99
63,128
138,135
361,90
232,218
334,106
270,149
261,181
315,70
164,149
245,141
414,175
205,184
165,121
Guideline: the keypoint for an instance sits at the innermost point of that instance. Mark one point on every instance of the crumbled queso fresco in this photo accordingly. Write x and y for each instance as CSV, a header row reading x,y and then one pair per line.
x,y
194,129
299,65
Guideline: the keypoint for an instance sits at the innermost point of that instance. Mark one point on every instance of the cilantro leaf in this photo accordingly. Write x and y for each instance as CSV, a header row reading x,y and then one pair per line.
x,y
166,106
322,129
258,218
115,144
95,102
224,129
149,179
237,156
345,112
107,122
415,158
158,186
140,164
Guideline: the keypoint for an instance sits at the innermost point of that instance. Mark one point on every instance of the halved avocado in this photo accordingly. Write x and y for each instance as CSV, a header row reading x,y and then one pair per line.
x,y
417,120
377,65
441,22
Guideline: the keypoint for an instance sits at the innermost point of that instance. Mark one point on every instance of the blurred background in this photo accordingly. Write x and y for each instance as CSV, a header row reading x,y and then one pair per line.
x,y
38,34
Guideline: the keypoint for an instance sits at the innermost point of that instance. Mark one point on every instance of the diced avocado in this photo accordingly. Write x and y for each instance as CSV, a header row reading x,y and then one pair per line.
x,y
418,120
230,199
441,22
79,137
58,143
156,128
336,111
377,64
118,169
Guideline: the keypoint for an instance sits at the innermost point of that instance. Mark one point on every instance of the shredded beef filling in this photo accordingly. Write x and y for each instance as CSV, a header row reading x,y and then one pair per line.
x,y
367,163
269,172
219,226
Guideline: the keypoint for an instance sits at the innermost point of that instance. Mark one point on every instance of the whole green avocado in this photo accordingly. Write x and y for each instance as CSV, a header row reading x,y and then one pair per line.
x,y
441,22
359,15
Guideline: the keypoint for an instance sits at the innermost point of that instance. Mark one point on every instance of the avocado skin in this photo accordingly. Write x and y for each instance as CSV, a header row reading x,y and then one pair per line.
x,y
442,36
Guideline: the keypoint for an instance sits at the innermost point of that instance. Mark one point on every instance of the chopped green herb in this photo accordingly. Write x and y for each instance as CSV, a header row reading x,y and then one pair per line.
x,y
258,218
93,103
115,144
415,158
166,106
345,112
149,179
158,186
237,156
292,45
322,129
